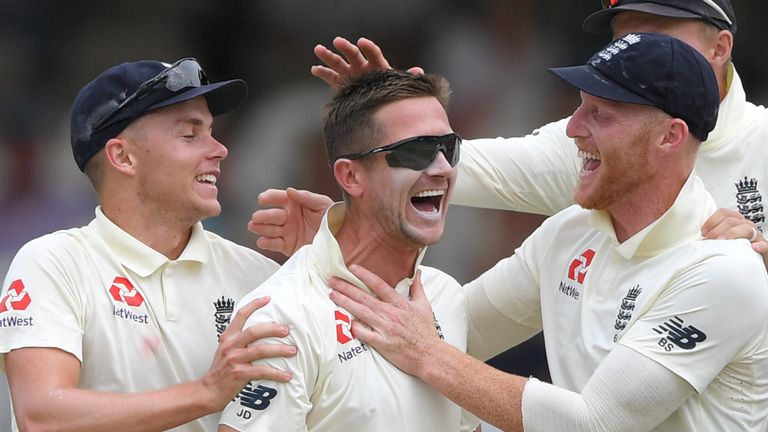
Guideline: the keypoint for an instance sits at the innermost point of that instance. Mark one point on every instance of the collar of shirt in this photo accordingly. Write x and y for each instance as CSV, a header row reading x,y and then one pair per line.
x,y
140,258
730,115
680,224
328,260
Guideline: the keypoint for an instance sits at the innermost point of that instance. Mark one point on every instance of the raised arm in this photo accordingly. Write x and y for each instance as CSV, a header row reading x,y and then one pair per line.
x,y
43,384
355,60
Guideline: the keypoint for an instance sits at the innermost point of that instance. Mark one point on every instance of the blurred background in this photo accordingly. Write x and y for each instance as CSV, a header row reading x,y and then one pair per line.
x,y
494,52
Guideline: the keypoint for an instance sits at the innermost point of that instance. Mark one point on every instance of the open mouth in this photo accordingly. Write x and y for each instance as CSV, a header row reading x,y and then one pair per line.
x,y
206,179
590,162
428,201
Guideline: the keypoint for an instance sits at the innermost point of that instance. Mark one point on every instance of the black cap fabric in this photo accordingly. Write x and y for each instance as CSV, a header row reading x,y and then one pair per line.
x,y
717,12
652,69
99,98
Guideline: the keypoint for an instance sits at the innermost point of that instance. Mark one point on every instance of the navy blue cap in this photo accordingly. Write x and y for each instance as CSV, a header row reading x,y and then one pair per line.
x,y
717,12
652,69
100,111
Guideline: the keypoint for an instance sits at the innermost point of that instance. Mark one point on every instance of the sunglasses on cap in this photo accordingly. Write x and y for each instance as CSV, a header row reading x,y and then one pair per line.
x,y
184,73
607,4
416,153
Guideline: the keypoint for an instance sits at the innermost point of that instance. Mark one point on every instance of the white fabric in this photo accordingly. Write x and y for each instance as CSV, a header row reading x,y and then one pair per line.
x,y
537,173
339,383
696,307
73,280
605,405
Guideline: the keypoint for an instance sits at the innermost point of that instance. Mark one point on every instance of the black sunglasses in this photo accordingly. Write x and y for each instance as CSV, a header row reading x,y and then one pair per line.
x,y
184,73
416,153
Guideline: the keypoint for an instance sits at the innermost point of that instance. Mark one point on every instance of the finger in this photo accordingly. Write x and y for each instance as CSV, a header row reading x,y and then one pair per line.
x,y
376,284
259,351
260,372
326,74
237,322
365,333
716,219
351,291
761,247
373,53
724,225
311,200
267,230
275,244
739,231
351,52
273,198
417,289
270,216
334,61
359,310
416,71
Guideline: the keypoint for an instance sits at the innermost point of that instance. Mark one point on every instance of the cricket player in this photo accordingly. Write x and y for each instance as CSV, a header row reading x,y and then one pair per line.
x,y
393,153
647,325
122,324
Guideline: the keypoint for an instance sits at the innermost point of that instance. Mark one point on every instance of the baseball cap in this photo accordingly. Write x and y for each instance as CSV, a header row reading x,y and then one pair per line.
x,y
123,93
717,12
652,69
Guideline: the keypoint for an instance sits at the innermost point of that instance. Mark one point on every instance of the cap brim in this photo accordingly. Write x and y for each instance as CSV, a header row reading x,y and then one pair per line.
x,y
222,96
600,21
589,80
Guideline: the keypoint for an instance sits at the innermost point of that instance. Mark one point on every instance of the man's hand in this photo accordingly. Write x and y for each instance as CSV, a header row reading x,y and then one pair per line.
x,y
231,369
726,224
354,61
292,223
401,330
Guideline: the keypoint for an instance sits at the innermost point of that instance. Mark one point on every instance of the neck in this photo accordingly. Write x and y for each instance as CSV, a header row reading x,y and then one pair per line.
x,y
367,245
645,205
163,233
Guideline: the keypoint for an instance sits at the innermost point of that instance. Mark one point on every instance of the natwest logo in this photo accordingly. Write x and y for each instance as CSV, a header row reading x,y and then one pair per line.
x,y
16,299
578,269
123,291
343,323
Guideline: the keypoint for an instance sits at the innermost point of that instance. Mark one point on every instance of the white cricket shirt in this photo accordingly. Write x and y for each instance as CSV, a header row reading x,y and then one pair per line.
x,y
538,173
697,307
136,320
340,383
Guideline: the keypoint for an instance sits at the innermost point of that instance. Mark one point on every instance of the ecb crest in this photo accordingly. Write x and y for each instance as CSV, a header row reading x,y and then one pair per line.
x,y
750,202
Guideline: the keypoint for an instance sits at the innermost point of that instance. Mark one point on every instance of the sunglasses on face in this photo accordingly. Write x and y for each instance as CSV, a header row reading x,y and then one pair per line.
x,y
416,153
184,73
607,4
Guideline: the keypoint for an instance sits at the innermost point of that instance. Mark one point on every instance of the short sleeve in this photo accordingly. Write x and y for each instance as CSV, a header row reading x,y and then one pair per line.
x,y
269,405
534,174
42,304
709,315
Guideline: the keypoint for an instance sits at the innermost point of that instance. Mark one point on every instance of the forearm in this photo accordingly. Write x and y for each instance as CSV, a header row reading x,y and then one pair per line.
x,y
80,410
489,393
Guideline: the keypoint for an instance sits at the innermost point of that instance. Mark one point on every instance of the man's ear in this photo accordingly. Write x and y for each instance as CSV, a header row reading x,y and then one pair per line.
x,y
676,135
723,48
349,176
118,154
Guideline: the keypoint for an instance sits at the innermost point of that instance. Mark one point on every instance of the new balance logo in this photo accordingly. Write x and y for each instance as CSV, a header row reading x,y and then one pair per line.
x,y
252,398
16,299
683,337
578,268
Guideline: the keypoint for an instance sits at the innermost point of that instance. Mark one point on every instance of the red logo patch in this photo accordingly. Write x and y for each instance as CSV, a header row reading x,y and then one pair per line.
x,y
16,299
123,291
343,330
578,269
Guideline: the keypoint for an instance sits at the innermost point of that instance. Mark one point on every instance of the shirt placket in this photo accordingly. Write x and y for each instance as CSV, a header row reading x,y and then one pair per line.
x,y
170,294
